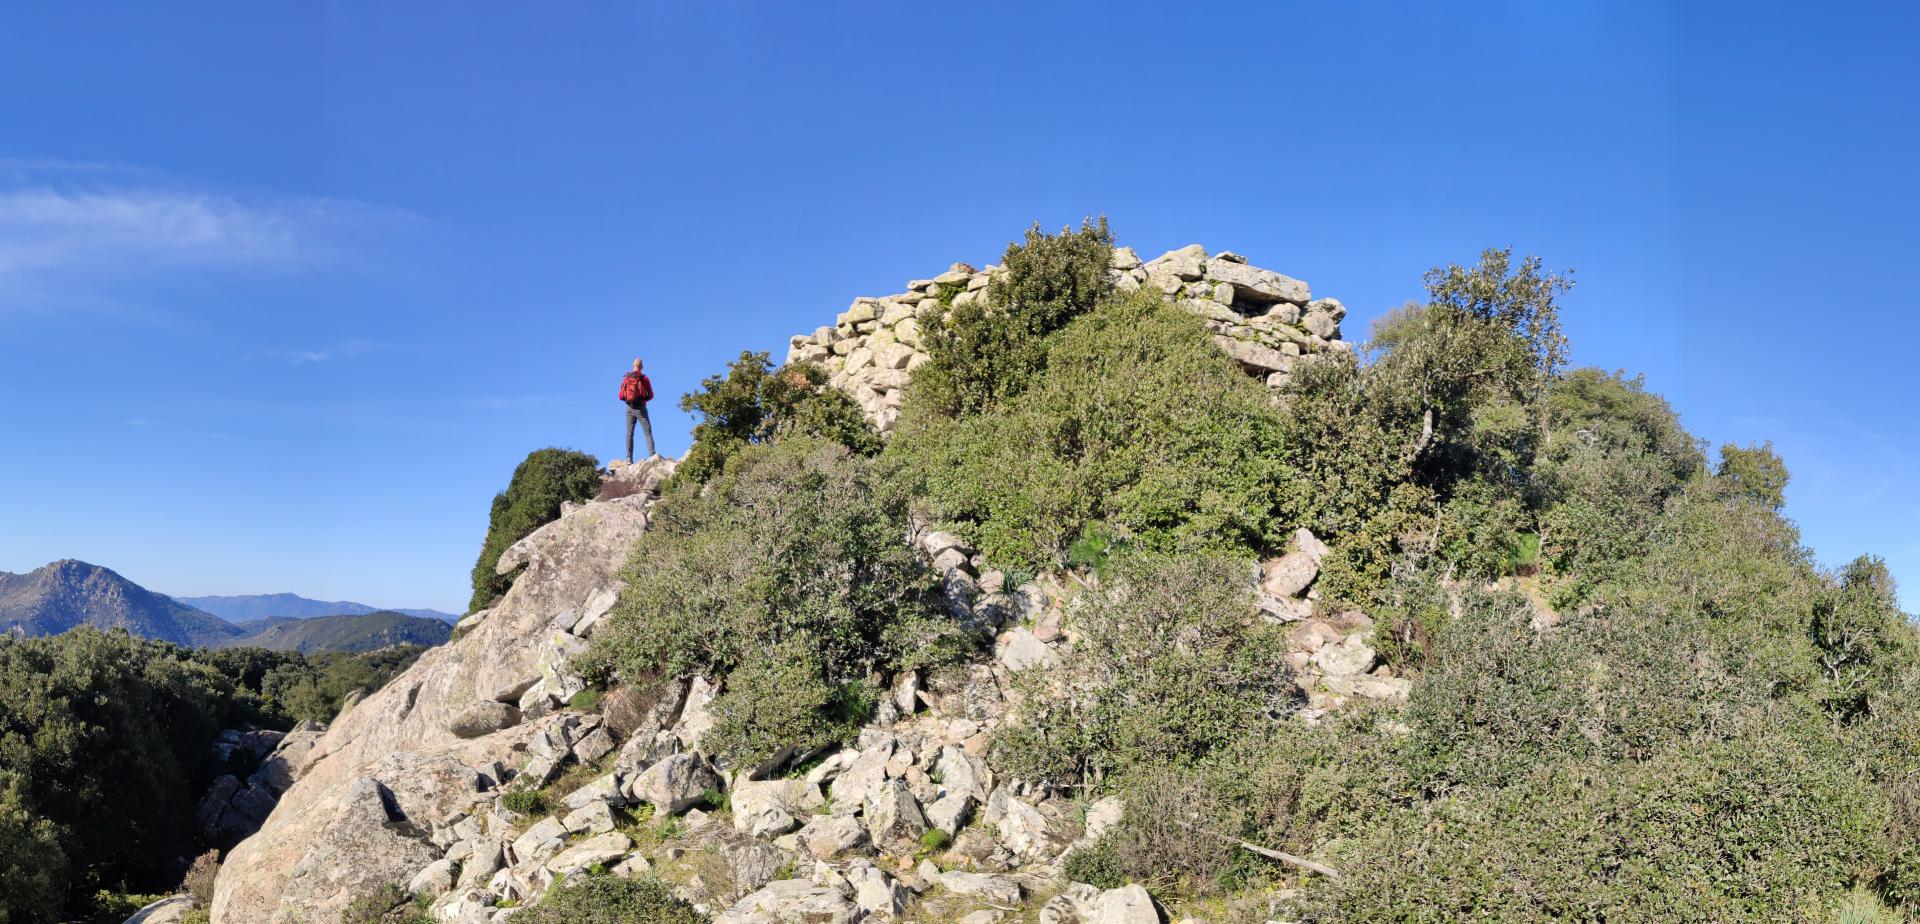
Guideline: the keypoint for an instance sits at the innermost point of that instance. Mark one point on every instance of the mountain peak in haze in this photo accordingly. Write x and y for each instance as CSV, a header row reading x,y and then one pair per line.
x,y
61,595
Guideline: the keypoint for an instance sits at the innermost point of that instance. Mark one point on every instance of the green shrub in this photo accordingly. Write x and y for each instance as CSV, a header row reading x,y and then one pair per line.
x,y
786,580
540,484
1410,614
1858,632
935,839
1756,829
1092,550
1588,406
1448,405
1476,531
1500,697
1734,569
611,900
1283,786
1345,458
984,353
1755,472
1096,864
1171,662
756,403
1886,738
1613,455
779,703
586,700
1138,424
523,801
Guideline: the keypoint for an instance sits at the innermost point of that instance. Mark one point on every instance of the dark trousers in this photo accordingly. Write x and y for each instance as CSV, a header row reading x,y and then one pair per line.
x,y
639,414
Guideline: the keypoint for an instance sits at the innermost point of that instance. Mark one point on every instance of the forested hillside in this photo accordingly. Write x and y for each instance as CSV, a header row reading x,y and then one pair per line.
x,y
107,745
360,632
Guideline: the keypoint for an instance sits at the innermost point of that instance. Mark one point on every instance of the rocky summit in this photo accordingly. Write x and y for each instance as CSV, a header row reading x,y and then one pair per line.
x,y
1267,322
1128,594
412,785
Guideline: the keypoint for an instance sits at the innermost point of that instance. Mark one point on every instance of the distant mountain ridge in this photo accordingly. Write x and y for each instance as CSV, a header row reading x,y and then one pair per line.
x,y
56,597
65,594
344,632
253,607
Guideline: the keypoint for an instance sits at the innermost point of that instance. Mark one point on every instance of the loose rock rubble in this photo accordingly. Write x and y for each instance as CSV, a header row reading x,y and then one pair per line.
x,y
1269,323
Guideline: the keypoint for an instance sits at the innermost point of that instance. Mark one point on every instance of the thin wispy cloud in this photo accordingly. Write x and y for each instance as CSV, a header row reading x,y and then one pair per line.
x,y
347,350
43,228
69,233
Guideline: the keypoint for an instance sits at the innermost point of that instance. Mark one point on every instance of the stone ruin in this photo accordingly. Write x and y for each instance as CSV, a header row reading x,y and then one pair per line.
x,y
1268,323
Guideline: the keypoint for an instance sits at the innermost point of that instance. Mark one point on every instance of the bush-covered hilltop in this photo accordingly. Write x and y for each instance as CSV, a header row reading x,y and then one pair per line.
x,y
107,748
1617,687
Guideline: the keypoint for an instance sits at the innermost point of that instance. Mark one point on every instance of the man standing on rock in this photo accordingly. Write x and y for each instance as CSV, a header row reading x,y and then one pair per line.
x,y
636,391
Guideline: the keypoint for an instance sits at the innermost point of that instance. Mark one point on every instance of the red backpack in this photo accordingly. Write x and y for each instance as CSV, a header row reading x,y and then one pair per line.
x,y
634,385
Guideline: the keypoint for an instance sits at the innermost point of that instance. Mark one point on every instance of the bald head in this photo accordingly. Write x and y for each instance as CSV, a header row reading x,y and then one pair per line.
x,y
636,364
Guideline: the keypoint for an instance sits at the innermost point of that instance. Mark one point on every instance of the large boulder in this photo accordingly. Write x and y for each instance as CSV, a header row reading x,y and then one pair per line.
x,y
299,866
232,808
1290,574
894,819
483,718
852,787
1002,890
368,844
1305,541
1031,834
1253,284
1256,356
436,879
792,901
961,772
768,808
1351,655
828,836
876,892
1189,262
1083,904
604,849
674,785
1018,649
1128,904
1323,318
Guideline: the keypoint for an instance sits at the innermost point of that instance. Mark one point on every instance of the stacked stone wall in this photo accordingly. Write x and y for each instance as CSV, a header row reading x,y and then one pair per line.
x,y
1269,323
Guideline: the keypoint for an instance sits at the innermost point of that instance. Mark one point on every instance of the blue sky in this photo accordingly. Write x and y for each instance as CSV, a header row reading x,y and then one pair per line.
x,y
287,290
